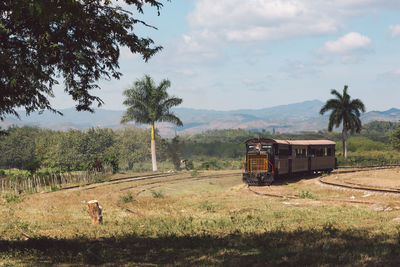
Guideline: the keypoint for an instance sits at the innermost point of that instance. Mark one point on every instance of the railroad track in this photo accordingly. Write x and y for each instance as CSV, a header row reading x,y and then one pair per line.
x,y
113,181
350,169
344,169
155,184
91,186
297,197
344,184
355,186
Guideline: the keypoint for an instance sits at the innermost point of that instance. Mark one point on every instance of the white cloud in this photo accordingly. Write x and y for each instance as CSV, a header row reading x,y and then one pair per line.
x,y
215,26
264,20
348,43
257,20
394,30
350,47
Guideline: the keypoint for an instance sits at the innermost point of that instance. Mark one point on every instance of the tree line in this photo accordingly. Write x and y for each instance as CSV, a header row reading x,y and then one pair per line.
x,y
32,147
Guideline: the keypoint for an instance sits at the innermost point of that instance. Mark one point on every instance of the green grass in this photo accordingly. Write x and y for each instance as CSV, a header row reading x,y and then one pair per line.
x,y
207,222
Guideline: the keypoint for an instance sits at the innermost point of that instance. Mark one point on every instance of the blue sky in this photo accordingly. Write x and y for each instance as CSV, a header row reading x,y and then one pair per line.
x,y
235,54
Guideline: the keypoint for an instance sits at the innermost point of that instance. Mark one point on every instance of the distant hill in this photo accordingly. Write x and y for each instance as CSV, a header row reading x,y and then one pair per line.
x,y
296,117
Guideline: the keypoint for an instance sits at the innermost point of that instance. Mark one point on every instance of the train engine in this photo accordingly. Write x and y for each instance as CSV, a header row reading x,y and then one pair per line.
x,y
270,159
258,168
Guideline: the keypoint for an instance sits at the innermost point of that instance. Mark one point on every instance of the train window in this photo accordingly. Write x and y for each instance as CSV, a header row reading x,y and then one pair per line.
x,y
301,153
329,152
267,148
319,152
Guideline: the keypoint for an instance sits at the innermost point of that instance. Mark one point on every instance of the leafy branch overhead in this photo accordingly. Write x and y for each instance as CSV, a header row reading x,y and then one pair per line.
x,y
42,42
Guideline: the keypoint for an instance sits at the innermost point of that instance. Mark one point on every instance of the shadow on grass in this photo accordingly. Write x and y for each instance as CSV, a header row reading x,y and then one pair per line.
x,y
294,178
328,246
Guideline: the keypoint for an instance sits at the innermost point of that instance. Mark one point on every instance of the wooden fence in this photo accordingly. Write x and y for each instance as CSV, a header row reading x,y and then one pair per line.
x,y
46,182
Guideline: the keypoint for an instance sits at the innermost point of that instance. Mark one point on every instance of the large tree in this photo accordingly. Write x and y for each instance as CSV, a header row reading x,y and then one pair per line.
x,y
77,41
148,104
345,111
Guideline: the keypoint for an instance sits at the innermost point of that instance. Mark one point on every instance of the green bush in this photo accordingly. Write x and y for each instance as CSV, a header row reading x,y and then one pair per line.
x,y
306,194
369,158
54,188
194,173
189,165
126,198
12,198
157,194
210,165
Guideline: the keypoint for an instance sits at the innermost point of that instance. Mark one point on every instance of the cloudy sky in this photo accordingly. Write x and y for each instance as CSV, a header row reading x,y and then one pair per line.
x,y
234,54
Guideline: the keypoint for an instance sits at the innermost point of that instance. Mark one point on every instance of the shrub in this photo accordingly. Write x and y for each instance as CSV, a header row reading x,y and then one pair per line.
x,y
306,194
207,206
210,165
12,198
189,165
128,197
157,194
194,173
54,188
113,161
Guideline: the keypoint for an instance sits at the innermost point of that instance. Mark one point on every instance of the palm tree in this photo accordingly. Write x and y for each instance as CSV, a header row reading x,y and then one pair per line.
x,y
344,110
149,104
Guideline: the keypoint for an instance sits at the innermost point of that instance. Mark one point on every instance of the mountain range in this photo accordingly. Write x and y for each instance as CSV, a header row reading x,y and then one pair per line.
x,y
296,117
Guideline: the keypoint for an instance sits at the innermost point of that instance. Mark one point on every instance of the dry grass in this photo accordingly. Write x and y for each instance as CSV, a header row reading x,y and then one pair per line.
x,y
386,178
199,221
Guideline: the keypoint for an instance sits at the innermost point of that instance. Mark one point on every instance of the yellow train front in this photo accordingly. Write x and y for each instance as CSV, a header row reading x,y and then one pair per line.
x,y
270,159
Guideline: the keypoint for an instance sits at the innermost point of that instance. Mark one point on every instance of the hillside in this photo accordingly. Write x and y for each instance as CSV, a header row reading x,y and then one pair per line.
x,y
297,117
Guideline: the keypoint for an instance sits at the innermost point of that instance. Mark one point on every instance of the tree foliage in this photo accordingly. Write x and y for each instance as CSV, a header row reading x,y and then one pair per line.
x,y
345,112
79,42
18,147
29,147
148,104
395,138
129,148
379,130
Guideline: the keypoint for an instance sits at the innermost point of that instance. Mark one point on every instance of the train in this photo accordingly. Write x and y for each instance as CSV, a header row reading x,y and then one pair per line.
x,y
270,159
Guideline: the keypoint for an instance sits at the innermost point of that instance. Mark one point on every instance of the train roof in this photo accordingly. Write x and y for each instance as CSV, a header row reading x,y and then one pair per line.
x,y
292,142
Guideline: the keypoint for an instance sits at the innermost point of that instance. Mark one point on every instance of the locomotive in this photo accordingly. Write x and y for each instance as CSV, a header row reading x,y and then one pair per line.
x,y
271,159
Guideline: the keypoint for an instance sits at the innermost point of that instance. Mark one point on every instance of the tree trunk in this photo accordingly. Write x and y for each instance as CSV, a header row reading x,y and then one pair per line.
x,y
95,212
344,139
153,149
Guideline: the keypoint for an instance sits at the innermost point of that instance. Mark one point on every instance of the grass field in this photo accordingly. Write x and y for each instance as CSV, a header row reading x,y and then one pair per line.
x,y
194,220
